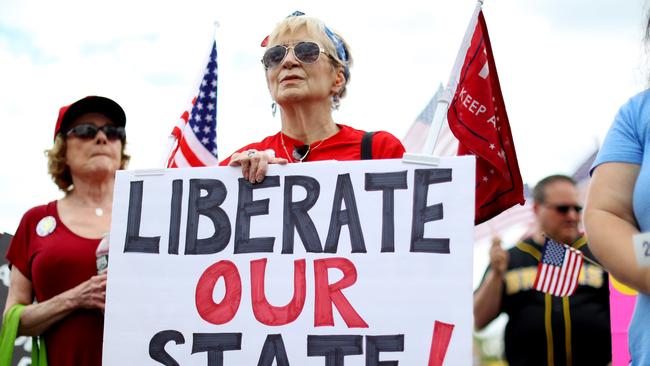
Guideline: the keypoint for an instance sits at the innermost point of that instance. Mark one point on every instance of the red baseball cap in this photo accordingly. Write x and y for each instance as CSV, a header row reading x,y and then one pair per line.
x,y
89,104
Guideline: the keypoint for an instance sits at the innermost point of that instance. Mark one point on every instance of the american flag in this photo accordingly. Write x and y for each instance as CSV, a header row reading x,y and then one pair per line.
x,y
558,271
415,138
196,130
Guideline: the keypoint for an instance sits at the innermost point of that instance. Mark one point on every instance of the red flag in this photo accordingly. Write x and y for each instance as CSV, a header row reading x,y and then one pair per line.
x,y
477,117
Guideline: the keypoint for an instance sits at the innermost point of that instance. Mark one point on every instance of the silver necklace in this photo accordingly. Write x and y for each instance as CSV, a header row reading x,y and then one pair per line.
x,y
293,157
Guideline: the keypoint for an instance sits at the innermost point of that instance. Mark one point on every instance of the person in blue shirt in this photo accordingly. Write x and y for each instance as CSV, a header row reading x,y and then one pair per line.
x,y
618,207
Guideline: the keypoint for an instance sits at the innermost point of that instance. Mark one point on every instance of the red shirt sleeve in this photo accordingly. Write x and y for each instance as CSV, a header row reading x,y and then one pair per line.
x,y
386,146
18,253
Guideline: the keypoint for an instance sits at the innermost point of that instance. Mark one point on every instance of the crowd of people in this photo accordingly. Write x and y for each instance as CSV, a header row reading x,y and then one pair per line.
x,y
307,69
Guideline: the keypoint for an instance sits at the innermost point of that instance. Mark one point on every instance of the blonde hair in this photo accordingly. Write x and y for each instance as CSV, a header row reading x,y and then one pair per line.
x,y
316,28
58,167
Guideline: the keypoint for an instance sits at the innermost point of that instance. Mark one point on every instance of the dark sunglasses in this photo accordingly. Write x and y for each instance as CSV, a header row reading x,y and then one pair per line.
x,y
306,52
89,131
564,209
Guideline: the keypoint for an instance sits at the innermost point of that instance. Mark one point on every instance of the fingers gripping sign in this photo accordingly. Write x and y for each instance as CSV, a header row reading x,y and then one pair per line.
x,y
255,163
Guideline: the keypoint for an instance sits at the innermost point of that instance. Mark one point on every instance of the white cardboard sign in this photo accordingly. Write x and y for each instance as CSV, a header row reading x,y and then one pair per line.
x,y
325,263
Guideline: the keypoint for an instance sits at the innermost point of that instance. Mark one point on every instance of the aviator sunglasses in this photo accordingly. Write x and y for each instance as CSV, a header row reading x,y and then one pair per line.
x,y
564,209
306,52
89,131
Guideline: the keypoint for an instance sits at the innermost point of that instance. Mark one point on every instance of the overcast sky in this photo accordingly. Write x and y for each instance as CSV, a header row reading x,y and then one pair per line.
x,y
565,68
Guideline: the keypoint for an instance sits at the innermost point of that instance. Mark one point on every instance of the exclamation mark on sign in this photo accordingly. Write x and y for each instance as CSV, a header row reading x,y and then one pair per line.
x,y
440,342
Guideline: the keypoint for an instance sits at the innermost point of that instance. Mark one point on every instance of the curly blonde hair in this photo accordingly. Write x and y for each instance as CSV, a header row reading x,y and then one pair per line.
x,y
58,167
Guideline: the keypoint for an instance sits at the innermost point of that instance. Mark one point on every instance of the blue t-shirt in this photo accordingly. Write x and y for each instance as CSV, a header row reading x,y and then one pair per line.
x,y
628,141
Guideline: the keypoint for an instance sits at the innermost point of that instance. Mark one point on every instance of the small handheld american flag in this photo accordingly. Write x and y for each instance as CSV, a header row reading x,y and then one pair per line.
x,y
559,269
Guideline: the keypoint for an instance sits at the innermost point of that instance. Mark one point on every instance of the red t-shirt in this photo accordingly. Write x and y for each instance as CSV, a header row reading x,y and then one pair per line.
x,y
55,263
344,145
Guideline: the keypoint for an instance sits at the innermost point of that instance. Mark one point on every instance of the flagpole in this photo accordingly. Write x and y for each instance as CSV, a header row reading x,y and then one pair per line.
x,y
440,115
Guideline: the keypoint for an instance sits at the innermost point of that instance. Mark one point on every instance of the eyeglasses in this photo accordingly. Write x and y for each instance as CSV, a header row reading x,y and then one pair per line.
x,y
564,209
306,52
89,131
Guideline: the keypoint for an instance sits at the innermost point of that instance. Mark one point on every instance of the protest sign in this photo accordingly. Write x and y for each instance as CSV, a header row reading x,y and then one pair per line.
x,y
325,263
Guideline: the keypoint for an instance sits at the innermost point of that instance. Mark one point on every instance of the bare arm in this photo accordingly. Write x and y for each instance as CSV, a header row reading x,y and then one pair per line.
x,y
610,223
487,299
36,318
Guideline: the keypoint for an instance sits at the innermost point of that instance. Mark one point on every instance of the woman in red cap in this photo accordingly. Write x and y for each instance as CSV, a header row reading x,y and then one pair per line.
x,y
53,252
307,67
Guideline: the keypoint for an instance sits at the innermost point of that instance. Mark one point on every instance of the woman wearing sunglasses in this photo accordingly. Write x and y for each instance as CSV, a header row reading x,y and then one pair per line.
x,y
53,252
307,68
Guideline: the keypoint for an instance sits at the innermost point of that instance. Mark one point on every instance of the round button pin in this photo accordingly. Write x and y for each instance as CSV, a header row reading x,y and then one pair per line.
x,y
46,226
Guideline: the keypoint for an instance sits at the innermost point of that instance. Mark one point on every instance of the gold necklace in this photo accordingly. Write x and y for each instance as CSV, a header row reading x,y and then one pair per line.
x,y
292,157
